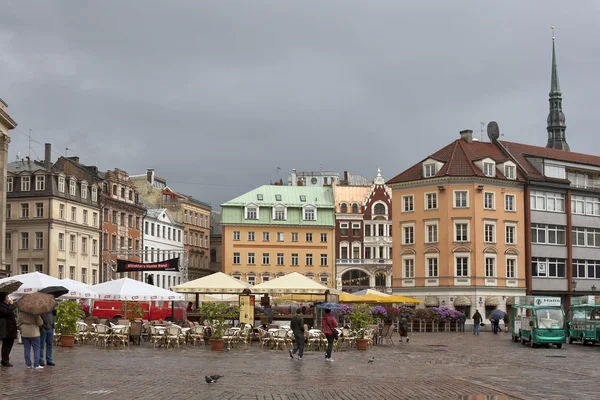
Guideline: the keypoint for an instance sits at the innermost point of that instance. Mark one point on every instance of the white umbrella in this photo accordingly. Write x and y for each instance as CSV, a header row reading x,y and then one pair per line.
x,y
78,289
130,289
33,282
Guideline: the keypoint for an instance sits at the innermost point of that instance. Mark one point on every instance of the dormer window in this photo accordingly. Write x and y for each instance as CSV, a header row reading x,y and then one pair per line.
x,y
354,208
509,172
279,213
94,193
259,197
277,197
310,213
489,169
61,184
40,183
251,212
302,197
84,190
430,170
25,184
72,187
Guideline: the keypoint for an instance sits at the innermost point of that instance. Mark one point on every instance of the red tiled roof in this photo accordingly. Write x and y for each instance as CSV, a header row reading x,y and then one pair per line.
x,y
459,160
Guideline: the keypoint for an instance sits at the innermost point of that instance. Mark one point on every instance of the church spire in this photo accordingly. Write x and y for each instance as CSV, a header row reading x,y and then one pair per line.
x,y
556,118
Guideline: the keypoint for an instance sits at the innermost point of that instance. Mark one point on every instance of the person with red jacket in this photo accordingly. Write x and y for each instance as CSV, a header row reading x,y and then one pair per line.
x,y
329,323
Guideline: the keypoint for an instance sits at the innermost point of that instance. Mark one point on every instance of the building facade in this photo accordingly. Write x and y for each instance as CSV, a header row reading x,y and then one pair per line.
x,y
6,124
460,231
363,236
274,230
53,220
163,240
312,178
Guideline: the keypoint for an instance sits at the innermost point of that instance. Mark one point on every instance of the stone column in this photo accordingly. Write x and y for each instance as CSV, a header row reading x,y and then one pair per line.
x,y
4,141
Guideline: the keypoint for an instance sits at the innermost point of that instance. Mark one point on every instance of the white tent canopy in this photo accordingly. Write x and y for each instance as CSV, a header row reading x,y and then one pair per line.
x,y
371,292
292,283
130,289
79,289
35,281
213,283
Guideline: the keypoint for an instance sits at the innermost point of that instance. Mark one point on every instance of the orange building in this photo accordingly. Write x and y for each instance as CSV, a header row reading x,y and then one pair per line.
x,y
459,227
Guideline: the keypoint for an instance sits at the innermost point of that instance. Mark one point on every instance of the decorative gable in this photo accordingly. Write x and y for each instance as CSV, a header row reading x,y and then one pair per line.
x,y
431,167
487,166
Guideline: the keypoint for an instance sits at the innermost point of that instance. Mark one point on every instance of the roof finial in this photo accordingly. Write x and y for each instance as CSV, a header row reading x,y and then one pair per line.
x,y
552,27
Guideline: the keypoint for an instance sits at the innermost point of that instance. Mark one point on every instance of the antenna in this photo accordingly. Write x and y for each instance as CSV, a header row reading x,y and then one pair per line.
x,y
29,148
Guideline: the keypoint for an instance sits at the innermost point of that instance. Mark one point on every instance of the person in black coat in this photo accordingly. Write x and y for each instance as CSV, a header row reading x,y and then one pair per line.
x,y
8,327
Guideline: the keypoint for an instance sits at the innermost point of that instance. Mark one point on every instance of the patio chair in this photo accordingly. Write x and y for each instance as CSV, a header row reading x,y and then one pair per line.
x,y
196,334
282,337
174,335
82,333
135,332
120,336
316,340
232,337
101,334
263,337
157,336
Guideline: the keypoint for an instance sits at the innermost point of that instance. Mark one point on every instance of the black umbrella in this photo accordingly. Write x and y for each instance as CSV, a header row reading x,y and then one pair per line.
x,y
497,314
56,291
10,286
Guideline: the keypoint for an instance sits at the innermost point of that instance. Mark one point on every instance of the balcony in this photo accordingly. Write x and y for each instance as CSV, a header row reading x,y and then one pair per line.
x,y
370,261
377,239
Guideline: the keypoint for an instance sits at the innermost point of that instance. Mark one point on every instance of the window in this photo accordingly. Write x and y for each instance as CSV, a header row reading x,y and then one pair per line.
x,y
113,243
344,252
302,198
323,260
39,210
236,235
367,230
84,245
72,273
251,213
95,219
251,279
185,216
509,202
25,184
323,238
85,217
24,268
279,213
462,266
295,259
40,183
61,241
309,260
309,214
324,279
259,197
586,269
461,199
115,217
409,234
280,260
73,213
280,236
24,240
585,205
61,184
431,201
236,258
489,169
489,233
409,267
266,259
461,231
548,234
24,210
84,191
408,203
432,267
9,184
266,236
431,232
344,208
309,237
511,267
294,236
72,187
511,234
61,271
277,197
490,267
61,211
95,247
8,241
8,211
94,277
548,267
130,222
39,240
73,247
355,229
95,198
509,172
547,201
137,222
587,237
488,201
251,236
250,258
355,252
430,170
354,208
344,229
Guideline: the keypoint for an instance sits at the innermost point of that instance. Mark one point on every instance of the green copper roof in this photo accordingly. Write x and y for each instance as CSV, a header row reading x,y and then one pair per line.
x,y
554,85
290,196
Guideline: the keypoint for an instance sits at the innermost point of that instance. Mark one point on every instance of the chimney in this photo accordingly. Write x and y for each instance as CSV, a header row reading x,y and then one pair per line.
x,y
48,156
300,183
294,178
150,175
467,135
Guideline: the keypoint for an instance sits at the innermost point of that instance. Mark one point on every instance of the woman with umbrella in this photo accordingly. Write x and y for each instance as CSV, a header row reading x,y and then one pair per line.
x,y
29,321
8,327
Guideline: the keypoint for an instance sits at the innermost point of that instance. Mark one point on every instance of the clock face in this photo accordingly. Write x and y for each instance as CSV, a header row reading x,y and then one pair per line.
x,y
314,181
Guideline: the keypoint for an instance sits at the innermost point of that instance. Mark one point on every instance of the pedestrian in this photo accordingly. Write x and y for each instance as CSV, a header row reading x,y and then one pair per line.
x,y
30,333
477,319
506,321
47,338
269,313
403,328
297,326
494,322
8,327
329,323
462,318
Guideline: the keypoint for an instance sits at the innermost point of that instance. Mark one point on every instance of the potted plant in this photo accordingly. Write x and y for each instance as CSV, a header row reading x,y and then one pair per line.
x,y
132,310
215,314
360,319
380,313
67,315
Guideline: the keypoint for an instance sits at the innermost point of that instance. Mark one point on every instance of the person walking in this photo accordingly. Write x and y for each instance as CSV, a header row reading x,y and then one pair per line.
x,y
477,318
329,323
506,322
297,326
30,333
269,313
8,327
47,339
462,318
404,328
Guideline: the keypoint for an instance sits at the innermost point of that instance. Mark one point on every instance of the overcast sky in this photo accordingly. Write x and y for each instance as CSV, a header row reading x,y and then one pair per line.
x,y
215,95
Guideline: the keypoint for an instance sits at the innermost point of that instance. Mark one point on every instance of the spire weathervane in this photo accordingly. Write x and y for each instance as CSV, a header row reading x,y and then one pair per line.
x,y
552,27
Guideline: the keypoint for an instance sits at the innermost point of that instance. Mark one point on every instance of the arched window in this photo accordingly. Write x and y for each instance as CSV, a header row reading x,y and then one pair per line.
x,y
344,208
379,209
354,208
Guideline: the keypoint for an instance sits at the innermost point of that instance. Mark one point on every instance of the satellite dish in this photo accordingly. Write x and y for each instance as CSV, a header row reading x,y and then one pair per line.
x,y
493,131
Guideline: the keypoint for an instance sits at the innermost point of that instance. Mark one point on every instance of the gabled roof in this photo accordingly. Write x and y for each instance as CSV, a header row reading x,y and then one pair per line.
x,y
17,167
318,196
459,159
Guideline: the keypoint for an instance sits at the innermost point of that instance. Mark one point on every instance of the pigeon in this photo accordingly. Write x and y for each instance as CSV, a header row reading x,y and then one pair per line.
x,y
216,377
371,360
208,379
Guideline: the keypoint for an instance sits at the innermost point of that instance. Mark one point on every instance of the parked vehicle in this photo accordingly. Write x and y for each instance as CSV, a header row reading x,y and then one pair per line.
x,y
538,320
156,310
583,320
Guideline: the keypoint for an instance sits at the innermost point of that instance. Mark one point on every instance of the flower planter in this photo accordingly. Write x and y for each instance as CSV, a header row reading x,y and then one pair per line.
x,y
361,344
217,344
67,340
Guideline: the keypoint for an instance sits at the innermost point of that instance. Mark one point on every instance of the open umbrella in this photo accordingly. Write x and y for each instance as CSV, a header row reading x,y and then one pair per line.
x,y
10,286
55,291
497,314
330,306
36,303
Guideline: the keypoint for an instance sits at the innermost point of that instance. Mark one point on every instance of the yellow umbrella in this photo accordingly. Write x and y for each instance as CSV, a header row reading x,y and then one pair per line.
x,y
350,298
400,299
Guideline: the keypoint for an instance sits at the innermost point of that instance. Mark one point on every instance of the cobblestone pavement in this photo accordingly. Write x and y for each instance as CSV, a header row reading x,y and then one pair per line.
x,y
431,366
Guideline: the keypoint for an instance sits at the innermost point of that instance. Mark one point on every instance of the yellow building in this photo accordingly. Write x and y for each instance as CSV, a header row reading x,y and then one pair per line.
x,y
459,227
274,230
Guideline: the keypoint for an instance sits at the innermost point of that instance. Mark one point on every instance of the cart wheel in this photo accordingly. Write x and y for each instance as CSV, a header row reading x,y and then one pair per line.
x,y
583,341
522,341
559,346
571,340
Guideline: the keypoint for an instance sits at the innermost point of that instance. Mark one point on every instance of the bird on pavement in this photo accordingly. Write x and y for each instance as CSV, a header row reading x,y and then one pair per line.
x,y
216,377
371,360
208,379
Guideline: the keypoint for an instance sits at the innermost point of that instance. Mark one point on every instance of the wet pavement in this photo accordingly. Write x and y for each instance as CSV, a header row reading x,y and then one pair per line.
x,y
431,366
